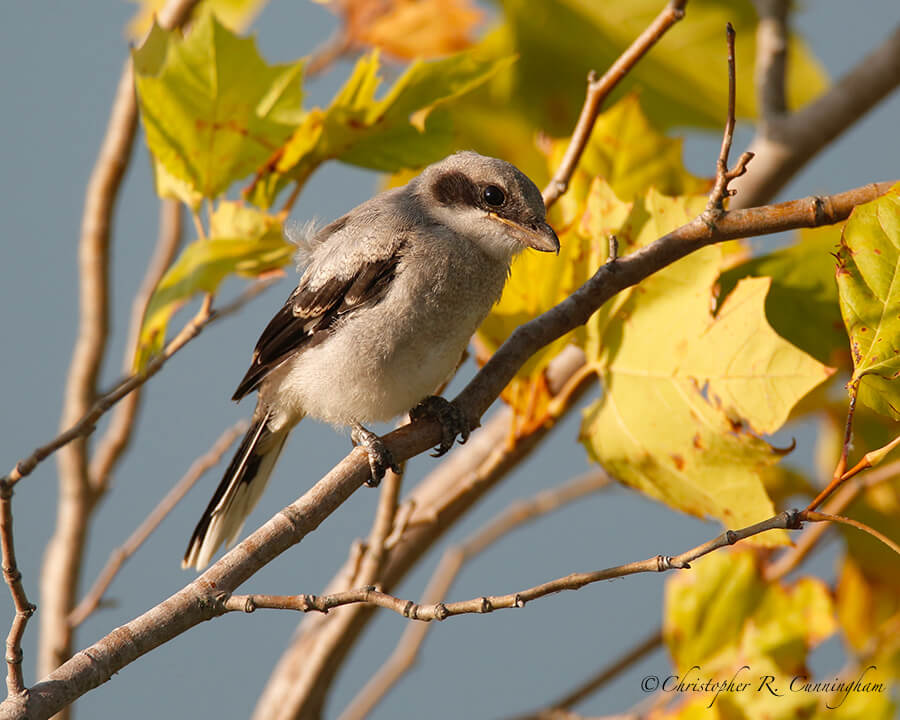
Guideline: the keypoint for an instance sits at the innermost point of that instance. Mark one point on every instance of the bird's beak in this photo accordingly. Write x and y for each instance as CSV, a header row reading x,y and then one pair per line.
x,y
539,236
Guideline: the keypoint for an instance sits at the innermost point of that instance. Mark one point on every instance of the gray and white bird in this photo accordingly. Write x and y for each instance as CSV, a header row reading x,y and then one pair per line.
x,y
389,298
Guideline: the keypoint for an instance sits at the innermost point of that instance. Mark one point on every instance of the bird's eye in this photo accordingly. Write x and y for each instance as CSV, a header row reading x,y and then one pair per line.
x,y
493,195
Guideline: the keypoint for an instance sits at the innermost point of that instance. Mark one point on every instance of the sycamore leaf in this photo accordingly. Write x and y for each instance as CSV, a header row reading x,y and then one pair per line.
x,y
722,616
242,241
235,14
213,110
384,134
683,80
681,384
868,279
802,304
751,371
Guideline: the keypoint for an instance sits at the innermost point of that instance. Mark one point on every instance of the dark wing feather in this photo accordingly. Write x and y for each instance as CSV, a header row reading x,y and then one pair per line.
x,y
309,314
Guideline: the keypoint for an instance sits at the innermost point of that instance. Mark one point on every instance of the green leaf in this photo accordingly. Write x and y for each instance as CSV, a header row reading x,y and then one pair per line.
x,y
722,615
681,384
683,78
384,134
213,110
243,241
802,304
868,280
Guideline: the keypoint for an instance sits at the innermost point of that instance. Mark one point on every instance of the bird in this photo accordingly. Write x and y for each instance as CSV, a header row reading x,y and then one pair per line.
x,y
388,298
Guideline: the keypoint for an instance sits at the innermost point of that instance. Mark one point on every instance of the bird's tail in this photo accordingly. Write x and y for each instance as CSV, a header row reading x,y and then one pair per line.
x,y
238,492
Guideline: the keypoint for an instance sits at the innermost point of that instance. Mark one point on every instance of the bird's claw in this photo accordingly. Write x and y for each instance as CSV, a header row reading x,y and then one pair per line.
x,y
380,458
452,421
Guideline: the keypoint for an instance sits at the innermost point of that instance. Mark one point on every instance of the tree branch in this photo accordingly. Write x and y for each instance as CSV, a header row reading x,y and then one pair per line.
x,y
452,561
118,434
724,176
301,679
13,578
88,422
787,142
599,89
771,59
488,603
94,597
809,538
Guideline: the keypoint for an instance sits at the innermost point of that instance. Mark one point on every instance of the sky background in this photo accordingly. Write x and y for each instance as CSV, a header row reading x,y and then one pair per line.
x,y
60,65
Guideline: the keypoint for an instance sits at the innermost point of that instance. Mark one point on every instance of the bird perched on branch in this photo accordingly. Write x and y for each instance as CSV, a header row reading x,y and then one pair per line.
x,y
390,295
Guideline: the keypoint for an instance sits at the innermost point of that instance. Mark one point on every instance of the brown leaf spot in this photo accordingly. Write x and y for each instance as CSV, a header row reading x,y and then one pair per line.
x,y
698,441
678,460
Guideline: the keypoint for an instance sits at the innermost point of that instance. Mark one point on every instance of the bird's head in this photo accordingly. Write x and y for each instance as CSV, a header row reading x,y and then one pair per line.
x,y
489,201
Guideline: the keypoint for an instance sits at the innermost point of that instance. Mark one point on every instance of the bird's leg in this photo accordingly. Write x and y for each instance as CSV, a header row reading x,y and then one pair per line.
x,y
380,458
452,420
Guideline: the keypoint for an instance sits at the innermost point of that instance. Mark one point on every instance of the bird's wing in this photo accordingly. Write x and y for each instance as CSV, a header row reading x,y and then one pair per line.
x,y
348,272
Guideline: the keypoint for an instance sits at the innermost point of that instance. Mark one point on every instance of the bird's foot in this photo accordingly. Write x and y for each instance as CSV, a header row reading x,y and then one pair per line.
x,y
380,458
452,420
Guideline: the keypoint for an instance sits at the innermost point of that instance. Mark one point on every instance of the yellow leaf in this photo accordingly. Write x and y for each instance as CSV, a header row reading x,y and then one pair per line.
x,y
655,428
752,372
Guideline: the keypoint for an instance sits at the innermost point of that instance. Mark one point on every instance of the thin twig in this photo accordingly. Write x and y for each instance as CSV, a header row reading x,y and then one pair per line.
x,y
489,603
514,516
94,597
118,434
720,191
809,538
599,89
13,578
813,516
840,476
87,423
